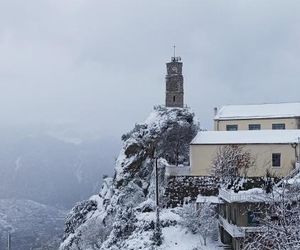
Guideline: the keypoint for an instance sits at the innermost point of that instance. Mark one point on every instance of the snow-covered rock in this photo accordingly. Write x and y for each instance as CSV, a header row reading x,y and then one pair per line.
x,y
122,215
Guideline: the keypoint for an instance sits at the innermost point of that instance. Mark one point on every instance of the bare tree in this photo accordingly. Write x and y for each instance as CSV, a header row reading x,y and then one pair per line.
x,y
202,220
176,142
280,227
230,162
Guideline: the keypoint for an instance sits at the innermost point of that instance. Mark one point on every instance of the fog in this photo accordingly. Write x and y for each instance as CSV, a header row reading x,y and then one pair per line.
x,y
100,65
76,75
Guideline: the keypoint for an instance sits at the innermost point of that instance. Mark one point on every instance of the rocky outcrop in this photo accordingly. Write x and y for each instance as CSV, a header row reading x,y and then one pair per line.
x,y
116,215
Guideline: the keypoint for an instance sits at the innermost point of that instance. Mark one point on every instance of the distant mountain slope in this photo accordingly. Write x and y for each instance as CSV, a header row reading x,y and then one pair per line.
x,y
53,169
32,225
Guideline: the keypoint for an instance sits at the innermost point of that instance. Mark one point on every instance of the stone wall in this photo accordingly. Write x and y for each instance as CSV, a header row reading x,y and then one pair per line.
x,y
181,187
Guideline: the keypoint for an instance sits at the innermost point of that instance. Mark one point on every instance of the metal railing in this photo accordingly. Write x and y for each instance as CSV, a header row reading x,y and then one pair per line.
x,y
236,231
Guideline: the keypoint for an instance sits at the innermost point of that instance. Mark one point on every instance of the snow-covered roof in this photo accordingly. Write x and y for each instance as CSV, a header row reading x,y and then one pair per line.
x,y
208,199
257,111
247,137
250,195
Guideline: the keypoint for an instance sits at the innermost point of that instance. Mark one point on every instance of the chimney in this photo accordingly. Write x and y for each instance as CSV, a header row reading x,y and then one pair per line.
x,y
215,111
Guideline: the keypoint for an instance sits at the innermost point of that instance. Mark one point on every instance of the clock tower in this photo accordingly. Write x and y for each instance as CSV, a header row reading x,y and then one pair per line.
x,y
174,83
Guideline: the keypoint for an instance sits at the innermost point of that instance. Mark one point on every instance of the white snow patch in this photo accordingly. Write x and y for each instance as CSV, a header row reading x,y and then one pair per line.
x,y
78,175
208,199
18,164
178,238
165,215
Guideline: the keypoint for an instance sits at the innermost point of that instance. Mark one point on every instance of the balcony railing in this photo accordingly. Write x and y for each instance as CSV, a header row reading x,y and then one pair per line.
x,y
233,230
236,231
242,196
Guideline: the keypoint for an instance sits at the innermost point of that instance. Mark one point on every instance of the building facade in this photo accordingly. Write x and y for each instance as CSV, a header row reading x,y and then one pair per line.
x,y
257,117
274,151
269,132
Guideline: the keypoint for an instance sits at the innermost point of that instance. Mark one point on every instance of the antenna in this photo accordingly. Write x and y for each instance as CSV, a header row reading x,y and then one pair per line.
x,y
174,50
174,58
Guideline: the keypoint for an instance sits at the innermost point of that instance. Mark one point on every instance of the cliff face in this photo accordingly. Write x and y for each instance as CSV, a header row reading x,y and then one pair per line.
x,y
122,212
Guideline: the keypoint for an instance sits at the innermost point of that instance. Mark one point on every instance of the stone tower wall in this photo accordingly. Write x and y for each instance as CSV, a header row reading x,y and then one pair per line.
x,y
174,85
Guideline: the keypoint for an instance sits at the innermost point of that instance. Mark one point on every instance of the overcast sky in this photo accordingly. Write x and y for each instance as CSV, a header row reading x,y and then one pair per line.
x,y
101,64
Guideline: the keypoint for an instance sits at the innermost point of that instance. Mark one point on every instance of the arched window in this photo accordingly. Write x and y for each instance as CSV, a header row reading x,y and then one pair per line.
x,y
174,98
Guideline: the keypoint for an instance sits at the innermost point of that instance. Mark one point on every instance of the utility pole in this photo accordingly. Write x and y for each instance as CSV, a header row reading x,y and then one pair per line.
x,y
298,150
157,232
8,241
156,185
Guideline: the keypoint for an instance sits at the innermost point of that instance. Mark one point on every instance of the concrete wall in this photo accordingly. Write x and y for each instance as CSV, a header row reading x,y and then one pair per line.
x,y
202,156
290,123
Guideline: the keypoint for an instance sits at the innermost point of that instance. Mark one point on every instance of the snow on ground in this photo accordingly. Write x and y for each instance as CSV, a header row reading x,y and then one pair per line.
x,y
175,237
165,215
178,238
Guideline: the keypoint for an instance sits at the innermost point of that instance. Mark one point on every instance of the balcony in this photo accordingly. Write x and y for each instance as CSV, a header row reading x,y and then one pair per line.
x,y
253,195
235,231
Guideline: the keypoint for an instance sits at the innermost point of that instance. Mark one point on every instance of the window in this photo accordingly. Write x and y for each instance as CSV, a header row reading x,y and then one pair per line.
x,y
276,160
174,98
254,126
253,218
232,127
278,126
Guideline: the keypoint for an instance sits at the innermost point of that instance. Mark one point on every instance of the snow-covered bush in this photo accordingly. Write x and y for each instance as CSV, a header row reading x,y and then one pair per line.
x,y
123,226
78,216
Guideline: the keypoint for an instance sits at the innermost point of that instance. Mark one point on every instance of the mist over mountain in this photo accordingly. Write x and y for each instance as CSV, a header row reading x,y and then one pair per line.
x,y
53,165
31,225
